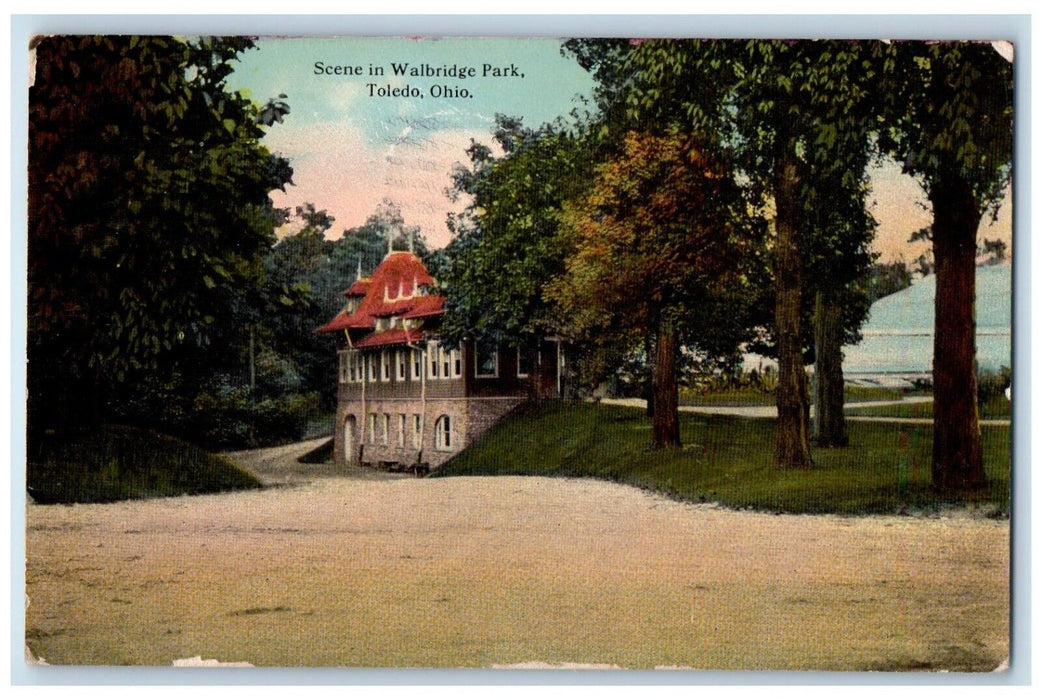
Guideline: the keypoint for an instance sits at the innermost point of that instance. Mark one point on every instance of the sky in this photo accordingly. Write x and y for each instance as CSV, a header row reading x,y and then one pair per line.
x,y
351,148
354,140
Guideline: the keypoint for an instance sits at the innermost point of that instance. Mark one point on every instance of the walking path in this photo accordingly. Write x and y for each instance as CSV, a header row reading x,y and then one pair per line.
x,y
772,411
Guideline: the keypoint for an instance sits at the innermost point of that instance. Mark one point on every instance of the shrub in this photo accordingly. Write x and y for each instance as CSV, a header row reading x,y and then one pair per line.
x,y
115,463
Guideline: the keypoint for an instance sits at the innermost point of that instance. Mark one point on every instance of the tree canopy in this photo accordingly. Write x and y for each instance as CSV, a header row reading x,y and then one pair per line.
x,y
779,110
507,245
660,242
148,210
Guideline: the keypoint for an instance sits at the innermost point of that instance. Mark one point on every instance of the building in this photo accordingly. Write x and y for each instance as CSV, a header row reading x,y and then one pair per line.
x,y
898,337
407,400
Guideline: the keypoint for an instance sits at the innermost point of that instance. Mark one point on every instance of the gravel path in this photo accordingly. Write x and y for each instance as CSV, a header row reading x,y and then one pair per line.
x,y
768,411
278,466
375,570
772,411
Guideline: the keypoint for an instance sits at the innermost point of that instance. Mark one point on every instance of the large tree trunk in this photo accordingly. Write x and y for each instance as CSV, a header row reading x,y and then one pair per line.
x,y
792,436
957,461
830,429
665,426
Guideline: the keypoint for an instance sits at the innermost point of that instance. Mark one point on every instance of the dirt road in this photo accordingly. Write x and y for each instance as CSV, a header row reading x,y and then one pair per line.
x,y
405,572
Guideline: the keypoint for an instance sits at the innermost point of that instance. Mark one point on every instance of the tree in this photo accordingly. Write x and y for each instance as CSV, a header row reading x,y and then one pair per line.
x,y
950,106
773,104
883,279
507,245
148,215
837,256
993,251
659,244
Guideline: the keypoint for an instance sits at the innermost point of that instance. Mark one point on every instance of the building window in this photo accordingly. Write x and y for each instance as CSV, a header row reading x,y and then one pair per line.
x,y
524,363
372,428
402,364
486,359
401,430
385,366
417,431
457,363
371,361
443,433
417,364
432,355
360,367
344,364
443,357
386,432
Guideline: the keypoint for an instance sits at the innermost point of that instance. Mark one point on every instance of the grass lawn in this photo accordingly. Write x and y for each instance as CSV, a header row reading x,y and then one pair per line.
x,y
729,460
117,462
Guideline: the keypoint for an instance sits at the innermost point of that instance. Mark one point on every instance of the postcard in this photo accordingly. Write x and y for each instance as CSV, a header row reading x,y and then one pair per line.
x,y
519,353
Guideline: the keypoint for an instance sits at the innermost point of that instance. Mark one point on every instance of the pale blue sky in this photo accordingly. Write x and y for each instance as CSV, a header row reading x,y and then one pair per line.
x,y
287,66
350,150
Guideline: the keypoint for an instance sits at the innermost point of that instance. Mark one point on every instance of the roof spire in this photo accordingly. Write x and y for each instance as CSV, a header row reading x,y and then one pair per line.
x,y
390,243
359,268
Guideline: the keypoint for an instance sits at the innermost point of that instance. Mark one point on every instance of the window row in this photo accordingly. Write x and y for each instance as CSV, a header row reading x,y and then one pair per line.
x,y
382,428
402,365
407,365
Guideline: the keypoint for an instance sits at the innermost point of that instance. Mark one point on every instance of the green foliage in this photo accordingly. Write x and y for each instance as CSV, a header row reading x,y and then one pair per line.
x,y
794,119
993,385
729,461
507,244
148,215
306,275
226,415
116,463
662,233
884,279
949,111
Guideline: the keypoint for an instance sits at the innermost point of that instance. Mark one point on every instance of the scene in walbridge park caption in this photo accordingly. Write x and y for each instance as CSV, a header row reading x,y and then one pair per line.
x,y
519,353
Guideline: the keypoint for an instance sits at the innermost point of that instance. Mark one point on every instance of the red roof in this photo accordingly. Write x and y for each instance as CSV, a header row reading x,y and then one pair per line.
x,y
398,307
340,322
393,290
427,306
395,336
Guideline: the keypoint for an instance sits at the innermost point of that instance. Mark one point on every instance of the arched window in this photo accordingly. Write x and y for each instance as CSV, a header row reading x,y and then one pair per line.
x,y
443,433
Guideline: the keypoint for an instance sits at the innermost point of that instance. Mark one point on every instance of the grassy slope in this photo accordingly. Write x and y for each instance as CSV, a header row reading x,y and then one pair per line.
x,y
119,463
727,460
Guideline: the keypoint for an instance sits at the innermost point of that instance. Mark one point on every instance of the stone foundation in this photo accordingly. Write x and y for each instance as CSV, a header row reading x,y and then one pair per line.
x,y
355,444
